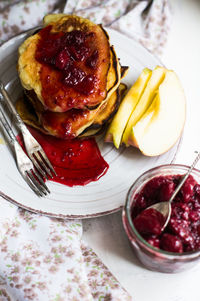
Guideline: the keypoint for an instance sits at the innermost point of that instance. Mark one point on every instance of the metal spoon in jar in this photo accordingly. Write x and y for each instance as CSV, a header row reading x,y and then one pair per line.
x,y
165,207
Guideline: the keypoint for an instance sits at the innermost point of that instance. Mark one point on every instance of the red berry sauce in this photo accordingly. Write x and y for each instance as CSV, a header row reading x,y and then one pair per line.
x,y
183,231
76,162
68,62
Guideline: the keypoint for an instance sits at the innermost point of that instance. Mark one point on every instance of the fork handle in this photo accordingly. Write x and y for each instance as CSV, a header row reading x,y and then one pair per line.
x,y
7,128
12,109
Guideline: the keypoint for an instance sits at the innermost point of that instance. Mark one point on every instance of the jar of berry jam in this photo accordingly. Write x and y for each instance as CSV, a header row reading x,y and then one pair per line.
x,y
177,248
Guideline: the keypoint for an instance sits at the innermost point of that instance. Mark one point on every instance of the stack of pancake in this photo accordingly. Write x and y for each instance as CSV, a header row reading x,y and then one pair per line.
x,y
71,78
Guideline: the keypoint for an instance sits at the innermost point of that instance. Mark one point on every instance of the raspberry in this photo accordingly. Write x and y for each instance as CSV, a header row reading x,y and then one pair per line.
x,y
188,189
75,37
149,222
154,241
87,86
73,76
79,54
62,59
171,243
91,62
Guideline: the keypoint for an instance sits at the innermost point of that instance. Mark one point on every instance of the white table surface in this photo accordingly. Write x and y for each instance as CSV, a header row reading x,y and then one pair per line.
x,y
105,234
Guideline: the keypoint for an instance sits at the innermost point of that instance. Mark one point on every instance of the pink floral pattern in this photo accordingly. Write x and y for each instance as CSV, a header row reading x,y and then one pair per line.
x,y
146,21
17,16
45,258
103,285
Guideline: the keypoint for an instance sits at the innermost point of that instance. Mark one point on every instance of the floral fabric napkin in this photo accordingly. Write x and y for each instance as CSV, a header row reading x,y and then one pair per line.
x,y
44,258
147,21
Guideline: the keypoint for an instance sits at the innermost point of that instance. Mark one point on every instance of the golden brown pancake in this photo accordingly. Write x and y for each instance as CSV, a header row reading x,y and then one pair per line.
x,y
66,64
113,81
57,103
72,123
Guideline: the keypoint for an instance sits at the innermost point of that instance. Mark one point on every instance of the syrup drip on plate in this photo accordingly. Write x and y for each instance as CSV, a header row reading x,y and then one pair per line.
x,y
76,161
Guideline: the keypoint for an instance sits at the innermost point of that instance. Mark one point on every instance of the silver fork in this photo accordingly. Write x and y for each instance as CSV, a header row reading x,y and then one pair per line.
x,y
24,164
33,148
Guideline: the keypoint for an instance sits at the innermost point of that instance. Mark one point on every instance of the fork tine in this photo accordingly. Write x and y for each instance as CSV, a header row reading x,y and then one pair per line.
x,y
46,160
36,183
41,181
37,166
32,186
29,140
41,162
24,164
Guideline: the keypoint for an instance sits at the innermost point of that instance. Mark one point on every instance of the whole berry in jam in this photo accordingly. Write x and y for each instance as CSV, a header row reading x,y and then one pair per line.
x,y
153,241
75,37
87,85
187,190
79,54
73,76
149,221
171,243
91,62
62,59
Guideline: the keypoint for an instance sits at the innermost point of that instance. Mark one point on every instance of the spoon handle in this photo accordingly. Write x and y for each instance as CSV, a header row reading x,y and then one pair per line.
x,y
185,177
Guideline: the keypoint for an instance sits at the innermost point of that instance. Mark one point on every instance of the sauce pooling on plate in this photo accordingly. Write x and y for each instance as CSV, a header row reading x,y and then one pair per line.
x,y
76,162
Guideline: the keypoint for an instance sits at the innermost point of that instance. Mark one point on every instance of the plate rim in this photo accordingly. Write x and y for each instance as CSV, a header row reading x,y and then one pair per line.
x,y
81,216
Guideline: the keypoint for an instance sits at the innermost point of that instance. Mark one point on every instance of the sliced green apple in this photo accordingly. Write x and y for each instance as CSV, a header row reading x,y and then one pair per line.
x,y
162,124
146,99
118,124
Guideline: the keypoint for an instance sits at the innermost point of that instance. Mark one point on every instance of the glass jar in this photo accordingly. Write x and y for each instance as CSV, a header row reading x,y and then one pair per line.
x,y
151,257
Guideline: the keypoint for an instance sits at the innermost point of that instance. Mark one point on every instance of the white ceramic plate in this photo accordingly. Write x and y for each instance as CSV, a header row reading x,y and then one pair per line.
x,y
97,198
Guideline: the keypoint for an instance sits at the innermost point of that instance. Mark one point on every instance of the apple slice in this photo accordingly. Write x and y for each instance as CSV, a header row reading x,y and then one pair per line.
x,y
146,99
162,124
118,124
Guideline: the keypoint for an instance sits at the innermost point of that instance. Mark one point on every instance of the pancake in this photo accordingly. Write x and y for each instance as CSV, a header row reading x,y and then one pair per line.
x,y
72,123
113,81
28,114
71,78
124,71
111,107
67,64
100,123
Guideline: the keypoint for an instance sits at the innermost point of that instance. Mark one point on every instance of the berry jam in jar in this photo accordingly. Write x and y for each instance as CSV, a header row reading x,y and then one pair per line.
x,y
178,246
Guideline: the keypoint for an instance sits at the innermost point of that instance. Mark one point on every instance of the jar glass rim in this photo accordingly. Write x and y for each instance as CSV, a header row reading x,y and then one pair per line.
x,y
127,211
